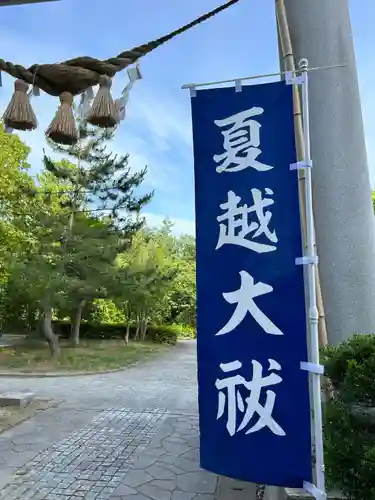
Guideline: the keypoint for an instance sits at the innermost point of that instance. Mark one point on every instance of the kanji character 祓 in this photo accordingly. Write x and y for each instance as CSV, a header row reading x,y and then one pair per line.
x,y
230,397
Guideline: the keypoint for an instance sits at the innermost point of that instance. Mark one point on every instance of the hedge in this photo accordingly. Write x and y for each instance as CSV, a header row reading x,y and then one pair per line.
x,y
351,369
162,334
349,427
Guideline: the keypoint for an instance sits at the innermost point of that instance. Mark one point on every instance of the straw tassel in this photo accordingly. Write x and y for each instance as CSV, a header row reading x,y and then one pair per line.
x,y
103,112
63,129
19,114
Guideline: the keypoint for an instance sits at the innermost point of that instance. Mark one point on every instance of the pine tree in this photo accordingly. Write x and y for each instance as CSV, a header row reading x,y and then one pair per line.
x,y
100,181
99,194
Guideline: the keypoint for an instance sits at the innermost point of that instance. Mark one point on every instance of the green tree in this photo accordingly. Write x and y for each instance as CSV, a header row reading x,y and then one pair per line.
x,y
14,202
143,278
37,274
178,305
90,256
182,293
93,214
20,206
102,183
156,279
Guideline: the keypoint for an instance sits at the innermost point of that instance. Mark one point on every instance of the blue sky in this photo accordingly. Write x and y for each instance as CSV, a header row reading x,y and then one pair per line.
x,y
157,131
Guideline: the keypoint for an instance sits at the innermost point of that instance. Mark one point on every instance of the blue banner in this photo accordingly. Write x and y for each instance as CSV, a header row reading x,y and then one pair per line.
x,y
251,321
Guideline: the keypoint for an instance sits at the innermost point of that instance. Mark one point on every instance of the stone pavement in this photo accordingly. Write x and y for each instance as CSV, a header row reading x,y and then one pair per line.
x,y
168,381
128,434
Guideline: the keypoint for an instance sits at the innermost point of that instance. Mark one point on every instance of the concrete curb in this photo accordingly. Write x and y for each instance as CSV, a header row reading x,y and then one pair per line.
x,y
276,493
70,374
62,374
73,374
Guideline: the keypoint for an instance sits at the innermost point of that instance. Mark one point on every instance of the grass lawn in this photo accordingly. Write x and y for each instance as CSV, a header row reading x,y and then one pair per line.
x,y
90,355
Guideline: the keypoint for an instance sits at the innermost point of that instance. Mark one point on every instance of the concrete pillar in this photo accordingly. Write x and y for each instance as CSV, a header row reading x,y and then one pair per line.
x,y
231,489
274,493
344,218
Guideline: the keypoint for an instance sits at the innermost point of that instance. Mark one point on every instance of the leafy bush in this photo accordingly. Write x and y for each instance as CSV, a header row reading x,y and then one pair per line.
x,y
350,452
351,368
105,311
185,331
349,424
162,334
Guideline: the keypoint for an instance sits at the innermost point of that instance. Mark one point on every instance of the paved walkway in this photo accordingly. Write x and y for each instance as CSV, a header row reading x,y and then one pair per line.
x,y
132,433
168,381
7,340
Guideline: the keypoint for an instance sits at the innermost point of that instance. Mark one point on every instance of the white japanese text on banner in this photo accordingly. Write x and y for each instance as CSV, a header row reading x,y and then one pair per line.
x,y
251,319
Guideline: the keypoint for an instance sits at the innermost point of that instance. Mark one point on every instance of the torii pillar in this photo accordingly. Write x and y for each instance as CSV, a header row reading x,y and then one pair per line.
x,y
344,218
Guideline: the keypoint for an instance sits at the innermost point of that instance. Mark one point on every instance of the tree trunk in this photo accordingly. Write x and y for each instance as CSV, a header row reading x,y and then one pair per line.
x,y
143,329
75,323
127,333
138,328
127,311
51,337
30,318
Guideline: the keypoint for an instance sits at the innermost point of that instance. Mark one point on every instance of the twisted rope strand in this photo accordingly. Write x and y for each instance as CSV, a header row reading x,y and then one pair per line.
x,y
76,75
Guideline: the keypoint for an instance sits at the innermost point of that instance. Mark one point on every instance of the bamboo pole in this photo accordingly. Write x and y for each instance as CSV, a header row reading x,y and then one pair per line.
x,y
287,54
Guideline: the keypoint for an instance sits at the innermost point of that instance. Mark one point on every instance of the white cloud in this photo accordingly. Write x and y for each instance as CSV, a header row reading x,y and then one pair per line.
x,y
162,174
180,226
166,121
